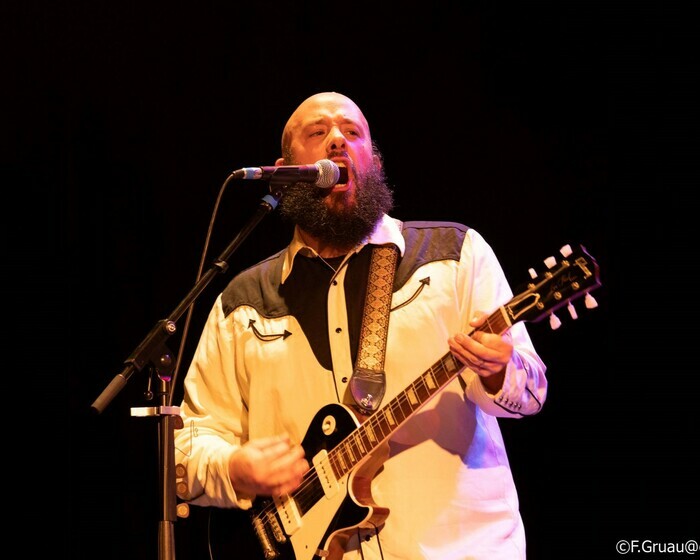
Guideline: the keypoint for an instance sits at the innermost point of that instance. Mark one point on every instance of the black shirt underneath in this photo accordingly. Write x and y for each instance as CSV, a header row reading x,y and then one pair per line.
x,y
306,293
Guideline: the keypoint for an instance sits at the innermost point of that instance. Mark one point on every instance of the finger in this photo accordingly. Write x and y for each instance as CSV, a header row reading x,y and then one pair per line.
x,y
479,365
269,449
271,442
478,319
468,348
280,457
284,477
288,459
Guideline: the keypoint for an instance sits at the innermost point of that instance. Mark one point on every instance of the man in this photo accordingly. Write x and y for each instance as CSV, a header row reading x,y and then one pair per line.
x,y
282,342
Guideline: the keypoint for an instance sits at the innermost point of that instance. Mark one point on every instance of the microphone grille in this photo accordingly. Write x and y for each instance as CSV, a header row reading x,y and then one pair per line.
x,y
328,173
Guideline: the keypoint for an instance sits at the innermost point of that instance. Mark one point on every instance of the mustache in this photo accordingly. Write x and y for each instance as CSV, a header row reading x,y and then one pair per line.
x,y
343,154
339,153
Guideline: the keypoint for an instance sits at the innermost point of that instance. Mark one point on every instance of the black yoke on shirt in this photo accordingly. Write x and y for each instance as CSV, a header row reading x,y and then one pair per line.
x,y
305,292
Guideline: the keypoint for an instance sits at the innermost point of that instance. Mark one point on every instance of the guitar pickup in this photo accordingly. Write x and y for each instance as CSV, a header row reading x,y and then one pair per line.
x,y
326,476
288,514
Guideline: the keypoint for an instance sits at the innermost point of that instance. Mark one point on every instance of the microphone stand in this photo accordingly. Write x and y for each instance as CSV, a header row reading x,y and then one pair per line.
x,y
153,352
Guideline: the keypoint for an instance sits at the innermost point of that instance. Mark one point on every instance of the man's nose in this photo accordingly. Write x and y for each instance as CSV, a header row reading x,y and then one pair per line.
x,y
336,140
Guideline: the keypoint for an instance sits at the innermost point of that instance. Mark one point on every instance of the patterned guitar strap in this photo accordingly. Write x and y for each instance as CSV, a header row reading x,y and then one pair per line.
x,y
368,381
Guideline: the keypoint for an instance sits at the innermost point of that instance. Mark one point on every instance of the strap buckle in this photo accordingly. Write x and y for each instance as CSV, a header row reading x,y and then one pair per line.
x,y
367,388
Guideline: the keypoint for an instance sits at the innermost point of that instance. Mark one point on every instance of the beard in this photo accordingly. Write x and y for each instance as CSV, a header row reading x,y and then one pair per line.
x,y
343,223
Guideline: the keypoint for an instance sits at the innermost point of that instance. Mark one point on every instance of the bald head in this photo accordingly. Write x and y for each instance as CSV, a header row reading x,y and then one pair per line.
x,y
314,108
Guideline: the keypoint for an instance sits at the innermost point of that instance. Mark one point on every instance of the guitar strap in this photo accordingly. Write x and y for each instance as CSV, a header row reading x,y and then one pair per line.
x,y
368,381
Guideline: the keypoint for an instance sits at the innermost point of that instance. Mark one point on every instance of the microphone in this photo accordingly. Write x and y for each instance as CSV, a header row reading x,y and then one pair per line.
x,y
323,174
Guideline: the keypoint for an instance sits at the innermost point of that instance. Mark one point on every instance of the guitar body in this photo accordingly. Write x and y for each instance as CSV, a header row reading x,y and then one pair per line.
x,y
325,510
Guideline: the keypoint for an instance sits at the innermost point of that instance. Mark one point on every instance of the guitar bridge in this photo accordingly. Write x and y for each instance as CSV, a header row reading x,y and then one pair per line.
x,y
275,527
269,552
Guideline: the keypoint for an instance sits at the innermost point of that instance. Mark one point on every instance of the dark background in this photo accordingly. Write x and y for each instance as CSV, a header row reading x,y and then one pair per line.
x,y
538,125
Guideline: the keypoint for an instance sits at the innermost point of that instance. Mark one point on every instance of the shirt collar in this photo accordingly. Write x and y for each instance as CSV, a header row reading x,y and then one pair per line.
x,y
388,231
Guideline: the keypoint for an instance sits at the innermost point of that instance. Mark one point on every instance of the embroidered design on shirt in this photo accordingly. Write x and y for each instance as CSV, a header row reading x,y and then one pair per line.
x,y
423,283
267,337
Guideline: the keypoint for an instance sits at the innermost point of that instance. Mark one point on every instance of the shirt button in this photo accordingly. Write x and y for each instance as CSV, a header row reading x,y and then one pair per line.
x,y
344,379
335,282
338,330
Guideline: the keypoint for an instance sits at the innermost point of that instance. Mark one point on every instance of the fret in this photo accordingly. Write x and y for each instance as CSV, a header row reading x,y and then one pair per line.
x,y
371,435
497,322
391,420
335,464
422,390
442,376
343,458
505,323
452,364
486,327
355,450
412,397
430,381
383,425
351,457
361,444
366,439
409,403
404,407
391,411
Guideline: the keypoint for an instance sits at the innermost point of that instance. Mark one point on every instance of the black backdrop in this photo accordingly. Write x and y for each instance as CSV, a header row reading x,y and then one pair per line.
x,y
127,117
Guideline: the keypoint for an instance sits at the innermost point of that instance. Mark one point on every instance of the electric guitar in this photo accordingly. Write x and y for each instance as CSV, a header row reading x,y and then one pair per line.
x,y
316,520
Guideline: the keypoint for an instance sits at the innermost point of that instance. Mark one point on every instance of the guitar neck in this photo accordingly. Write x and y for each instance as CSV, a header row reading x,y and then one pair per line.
x,y
380,425
575,276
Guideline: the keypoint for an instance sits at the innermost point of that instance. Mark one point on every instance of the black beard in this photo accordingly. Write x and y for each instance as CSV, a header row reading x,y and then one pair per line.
x,y
344,224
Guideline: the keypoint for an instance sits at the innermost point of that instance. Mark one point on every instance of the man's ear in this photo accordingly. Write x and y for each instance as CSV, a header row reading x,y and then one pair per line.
x,y
280,161
377,161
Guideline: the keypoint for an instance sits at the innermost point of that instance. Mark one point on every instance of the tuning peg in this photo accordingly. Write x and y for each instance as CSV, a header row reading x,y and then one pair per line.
x,y
554,322
550,262
590,301
532,273
566,250
572,311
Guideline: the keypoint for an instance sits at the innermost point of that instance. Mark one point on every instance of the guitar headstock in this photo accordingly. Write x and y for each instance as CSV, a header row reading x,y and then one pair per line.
x,y
574,276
